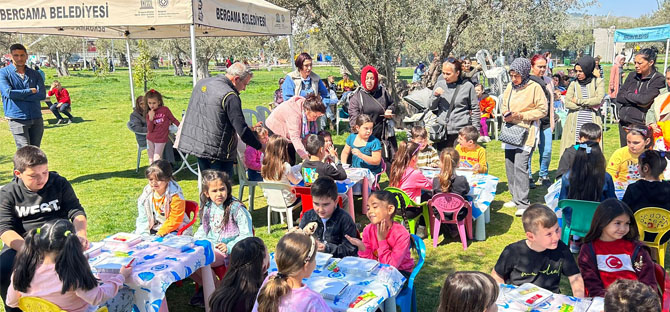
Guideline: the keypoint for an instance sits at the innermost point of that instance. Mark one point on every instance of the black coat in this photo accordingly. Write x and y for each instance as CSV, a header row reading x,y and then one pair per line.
x,y
637,94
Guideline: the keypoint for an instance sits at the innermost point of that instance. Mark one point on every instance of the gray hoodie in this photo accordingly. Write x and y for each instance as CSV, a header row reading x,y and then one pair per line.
x,y
466,110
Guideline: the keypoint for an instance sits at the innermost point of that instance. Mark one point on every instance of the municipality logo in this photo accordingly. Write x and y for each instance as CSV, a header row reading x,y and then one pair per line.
x,y
200,15
163,3
146,5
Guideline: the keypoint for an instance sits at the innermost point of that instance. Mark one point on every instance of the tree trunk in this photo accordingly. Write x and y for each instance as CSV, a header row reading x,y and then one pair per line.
x,y
435,69
145,85
123,60
203,68
62,69
178,66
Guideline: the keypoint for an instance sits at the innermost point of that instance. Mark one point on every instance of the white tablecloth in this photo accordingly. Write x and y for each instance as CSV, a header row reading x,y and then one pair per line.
x,y
385,281
157,266
556,303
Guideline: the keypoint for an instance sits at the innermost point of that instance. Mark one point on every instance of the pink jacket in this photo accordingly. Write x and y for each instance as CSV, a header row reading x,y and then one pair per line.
x,y
392,251
413,181
286,120
47,285
252,158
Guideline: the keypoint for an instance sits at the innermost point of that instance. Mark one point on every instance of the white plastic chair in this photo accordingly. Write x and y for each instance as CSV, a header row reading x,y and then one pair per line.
x,y
244,181
249,117
274,193
262,113
495,116
139,148
338,119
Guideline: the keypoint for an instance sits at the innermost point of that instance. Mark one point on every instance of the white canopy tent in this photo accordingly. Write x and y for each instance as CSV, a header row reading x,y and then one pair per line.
x,y
146,19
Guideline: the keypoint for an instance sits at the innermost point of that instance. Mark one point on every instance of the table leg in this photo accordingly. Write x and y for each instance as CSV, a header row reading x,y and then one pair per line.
x,y
480,228
365,192
208,284
350,197
488,215
389,304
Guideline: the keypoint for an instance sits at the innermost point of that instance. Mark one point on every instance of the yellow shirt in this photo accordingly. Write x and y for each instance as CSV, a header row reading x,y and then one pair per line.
x,y
469,158
348,85
622,166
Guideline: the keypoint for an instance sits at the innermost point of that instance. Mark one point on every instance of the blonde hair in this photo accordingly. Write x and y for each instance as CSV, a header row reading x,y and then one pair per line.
x,y
449,159
276,154
293,251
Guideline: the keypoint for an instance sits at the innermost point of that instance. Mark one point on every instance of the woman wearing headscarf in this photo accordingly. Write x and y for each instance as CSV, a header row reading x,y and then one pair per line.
x,y
616,75
523,104
464,110
639,91
373,100
582,96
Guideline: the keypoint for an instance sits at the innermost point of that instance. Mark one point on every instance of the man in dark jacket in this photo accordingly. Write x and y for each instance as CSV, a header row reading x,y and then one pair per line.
x,y
35,196
214,119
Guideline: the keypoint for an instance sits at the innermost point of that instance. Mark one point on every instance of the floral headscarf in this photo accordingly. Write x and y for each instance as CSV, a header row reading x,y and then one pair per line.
x,y
522,67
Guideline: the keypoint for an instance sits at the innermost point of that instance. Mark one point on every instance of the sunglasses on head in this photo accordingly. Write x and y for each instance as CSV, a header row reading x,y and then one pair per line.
x,y
643,131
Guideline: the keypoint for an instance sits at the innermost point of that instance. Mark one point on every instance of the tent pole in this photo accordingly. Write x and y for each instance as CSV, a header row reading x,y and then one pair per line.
x,y
130,74
290,47
665,63
194,67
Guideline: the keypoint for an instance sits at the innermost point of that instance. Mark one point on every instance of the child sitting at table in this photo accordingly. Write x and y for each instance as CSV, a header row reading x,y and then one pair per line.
x,y
588,132
51,265
405,175
468,291
332,223
249,261
472,155
427,154
541,258
587,178
611,240
626,295
650,191
284,291
384,239
224,220
316,166
623,163
276,167
253,158
160,207
365,148
448,181
328,144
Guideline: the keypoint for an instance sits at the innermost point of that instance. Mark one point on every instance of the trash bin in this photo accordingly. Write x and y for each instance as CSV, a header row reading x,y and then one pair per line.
x,y
566,61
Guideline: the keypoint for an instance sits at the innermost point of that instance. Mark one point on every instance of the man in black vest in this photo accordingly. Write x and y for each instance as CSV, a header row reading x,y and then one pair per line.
x,y
214,119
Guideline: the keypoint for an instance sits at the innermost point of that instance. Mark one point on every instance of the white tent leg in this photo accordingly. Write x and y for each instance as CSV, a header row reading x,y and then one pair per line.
x,y
665,63
290,47
194,68
130,74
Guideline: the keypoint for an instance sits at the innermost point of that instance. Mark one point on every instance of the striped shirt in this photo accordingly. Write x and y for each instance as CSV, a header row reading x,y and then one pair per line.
x,y
428,158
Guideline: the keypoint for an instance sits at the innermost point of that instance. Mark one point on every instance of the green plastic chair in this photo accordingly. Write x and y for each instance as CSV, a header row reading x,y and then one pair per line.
x,y
582,214
403,202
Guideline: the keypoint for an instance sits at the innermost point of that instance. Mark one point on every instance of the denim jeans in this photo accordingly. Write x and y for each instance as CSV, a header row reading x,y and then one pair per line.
x,y
62,109
544,148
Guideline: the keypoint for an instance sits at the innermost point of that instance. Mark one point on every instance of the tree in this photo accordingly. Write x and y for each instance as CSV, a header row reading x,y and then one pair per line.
x,y
143,71
63,47
575,39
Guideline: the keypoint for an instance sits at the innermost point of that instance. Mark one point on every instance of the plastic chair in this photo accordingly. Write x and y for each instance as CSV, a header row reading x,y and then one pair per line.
x,y
451,203
243,181
36,304
406,299
654,220
274,194
339,119
249,116
262,113
191,211
582,214
305,194
139,148
403,202
375,184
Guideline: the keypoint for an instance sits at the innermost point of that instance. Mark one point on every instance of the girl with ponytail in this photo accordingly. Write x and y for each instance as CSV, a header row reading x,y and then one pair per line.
x,y
52,266
650,190
284,291
448,181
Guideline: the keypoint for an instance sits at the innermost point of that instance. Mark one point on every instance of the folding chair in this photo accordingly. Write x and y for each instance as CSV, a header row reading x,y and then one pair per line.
x,y
185,163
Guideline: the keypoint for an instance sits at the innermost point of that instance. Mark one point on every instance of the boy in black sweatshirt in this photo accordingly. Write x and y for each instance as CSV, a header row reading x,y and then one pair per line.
x,y
35,196
316,167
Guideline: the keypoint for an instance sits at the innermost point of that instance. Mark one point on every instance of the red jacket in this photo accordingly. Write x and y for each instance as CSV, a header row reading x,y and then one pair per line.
x,y
159,128
62,96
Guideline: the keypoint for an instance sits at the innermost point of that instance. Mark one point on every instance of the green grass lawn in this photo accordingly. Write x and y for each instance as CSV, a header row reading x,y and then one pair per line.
x,y
97,155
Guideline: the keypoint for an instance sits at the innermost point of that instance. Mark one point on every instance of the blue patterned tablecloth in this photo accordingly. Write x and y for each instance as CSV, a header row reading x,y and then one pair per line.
x,y
156,266
557,303
385,282
482,191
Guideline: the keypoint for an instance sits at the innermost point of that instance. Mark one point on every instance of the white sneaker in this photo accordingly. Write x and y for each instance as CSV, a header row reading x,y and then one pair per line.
x,y
519,212
509,204
487,139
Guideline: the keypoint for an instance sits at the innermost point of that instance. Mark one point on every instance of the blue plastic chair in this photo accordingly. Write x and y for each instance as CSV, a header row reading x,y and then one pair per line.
x,y
406,299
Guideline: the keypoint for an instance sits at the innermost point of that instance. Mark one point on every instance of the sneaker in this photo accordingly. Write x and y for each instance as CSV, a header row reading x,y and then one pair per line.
x,y
60,121
531,184
546,182
69,121
198,299
519,212
487,139
509,204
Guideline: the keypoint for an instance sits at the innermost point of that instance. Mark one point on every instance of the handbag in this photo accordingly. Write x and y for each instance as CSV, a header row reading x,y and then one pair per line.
x,y
438,131
513,134
388,148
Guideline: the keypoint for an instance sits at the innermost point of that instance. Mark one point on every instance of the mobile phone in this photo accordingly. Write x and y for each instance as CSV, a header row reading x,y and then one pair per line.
x,y
507,114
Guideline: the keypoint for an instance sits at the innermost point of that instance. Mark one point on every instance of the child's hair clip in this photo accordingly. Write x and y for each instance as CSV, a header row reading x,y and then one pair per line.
x,y
586,147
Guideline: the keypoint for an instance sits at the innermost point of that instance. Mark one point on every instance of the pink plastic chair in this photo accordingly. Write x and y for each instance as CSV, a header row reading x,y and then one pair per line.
x,y
453,203
375,183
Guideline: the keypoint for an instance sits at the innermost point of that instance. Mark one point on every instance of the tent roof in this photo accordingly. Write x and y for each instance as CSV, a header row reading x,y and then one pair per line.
x,y
643,34
144,19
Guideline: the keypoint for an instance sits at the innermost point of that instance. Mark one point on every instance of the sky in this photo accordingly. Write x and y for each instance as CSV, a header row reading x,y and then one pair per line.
x,y
623,7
